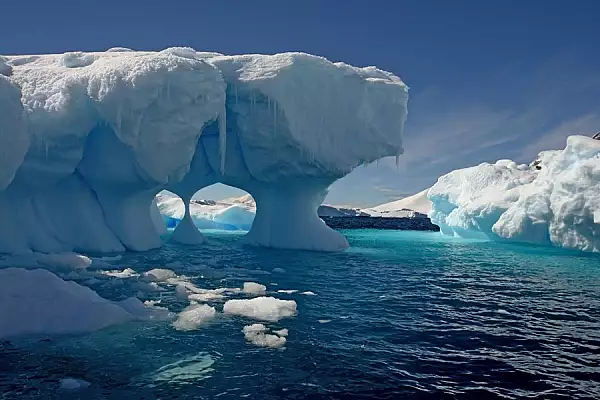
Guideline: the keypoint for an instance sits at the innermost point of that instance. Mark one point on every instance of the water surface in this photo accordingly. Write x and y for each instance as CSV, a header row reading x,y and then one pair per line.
x,y
400,315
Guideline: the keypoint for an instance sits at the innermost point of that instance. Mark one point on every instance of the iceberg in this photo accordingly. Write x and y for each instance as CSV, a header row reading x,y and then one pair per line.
x,y
37,302
554,201
88,139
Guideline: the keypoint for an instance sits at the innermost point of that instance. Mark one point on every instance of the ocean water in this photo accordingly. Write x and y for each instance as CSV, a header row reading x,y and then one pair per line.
x,y
400,315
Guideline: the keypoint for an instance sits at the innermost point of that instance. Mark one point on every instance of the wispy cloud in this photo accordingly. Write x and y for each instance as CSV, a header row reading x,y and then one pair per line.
x,y
555,139
514,115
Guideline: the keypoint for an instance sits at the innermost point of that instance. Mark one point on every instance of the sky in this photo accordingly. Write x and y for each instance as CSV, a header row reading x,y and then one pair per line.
x,y
488,79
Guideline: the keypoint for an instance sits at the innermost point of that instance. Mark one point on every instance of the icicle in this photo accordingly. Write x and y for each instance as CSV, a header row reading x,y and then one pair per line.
x,y
377,163
397,162
223,137
274,118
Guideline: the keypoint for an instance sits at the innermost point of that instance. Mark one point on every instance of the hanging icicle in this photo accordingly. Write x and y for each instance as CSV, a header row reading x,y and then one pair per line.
x,y
223,137
377,163
274,118
397,162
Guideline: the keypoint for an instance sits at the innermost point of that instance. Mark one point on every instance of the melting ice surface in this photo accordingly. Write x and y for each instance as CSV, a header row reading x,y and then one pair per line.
x,y
400,314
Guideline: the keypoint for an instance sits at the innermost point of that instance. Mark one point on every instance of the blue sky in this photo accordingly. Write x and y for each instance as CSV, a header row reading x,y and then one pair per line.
x,y
489,79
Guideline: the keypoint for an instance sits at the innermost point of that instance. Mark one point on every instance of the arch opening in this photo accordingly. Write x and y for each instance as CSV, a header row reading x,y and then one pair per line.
x,y
167,211
222,207
217,207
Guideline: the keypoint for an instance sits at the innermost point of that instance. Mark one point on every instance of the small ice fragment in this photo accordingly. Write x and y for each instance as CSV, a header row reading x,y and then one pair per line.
x,y
73,384
254,288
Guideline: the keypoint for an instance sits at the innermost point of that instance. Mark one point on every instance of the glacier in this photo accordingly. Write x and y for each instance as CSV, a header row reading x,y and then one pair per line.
x,y
88,139
555,201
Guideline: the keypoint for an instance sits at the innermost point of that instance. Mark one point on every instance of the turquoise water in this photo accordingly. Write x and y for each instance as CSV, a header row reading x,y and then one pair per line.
x,y
410,315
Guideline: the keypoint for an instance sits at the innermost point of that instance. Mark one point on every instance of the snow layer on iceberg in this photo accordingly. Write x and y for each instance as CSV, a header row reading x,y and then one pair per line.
x,y
555,205
88,139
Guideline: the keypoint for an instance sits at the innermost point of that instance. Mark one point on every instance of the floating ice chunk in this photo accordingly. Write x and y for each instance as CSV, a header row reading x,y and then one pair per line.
x,y
278,270
286,291
64,260
308,293
181,292
254,288
323,321
39,302
189,370
193,316
261,308
281,332
126,273
206,297
256,334
160,274
72,384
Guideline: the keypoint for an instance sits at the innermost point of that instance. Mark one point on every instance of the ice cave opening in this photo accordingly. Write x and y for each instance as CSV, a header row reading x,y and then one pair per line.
x,y
234,213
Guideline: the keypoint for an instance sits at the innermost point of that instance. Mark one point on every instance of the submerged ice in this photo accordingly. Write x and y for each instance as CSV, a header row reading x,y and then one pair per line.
x,y
88,139
555,201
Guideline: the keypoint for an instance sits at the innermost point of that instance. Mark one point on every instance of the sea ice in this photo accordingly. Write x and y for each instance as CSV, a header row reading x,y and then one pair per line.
x,y
193,316
254,288
257,335
160,274
261,308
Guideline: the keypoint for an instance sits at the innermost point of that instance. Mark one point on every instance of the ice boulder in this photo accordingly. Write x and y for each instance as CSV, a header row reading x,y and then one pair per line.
x,y
555,201
88,139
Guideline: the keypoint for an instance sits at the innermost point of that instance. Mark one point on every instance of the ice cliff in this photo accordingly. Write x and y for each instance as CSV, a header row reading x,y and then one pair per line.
x,y
88,139
557,204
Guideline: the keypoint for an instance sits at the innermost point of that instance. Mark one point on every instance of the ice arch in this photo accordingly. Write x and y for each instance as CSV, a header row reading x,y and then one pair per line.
x,y
95,136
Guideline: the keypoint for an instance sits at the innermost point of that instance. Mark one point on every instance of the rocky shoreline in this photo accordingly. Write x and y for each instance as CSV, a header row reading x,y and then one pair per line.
x,y
361,222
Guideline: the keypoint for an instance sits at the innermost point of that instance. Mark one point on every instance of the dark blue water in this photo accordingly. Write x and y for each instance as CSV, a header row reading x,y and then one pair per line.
x,y
412,315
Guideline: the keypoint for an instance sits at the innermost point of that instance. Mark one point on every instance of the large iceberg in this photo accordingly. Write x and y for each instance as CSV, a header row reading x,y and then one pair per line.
x,y
88,139
555,201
